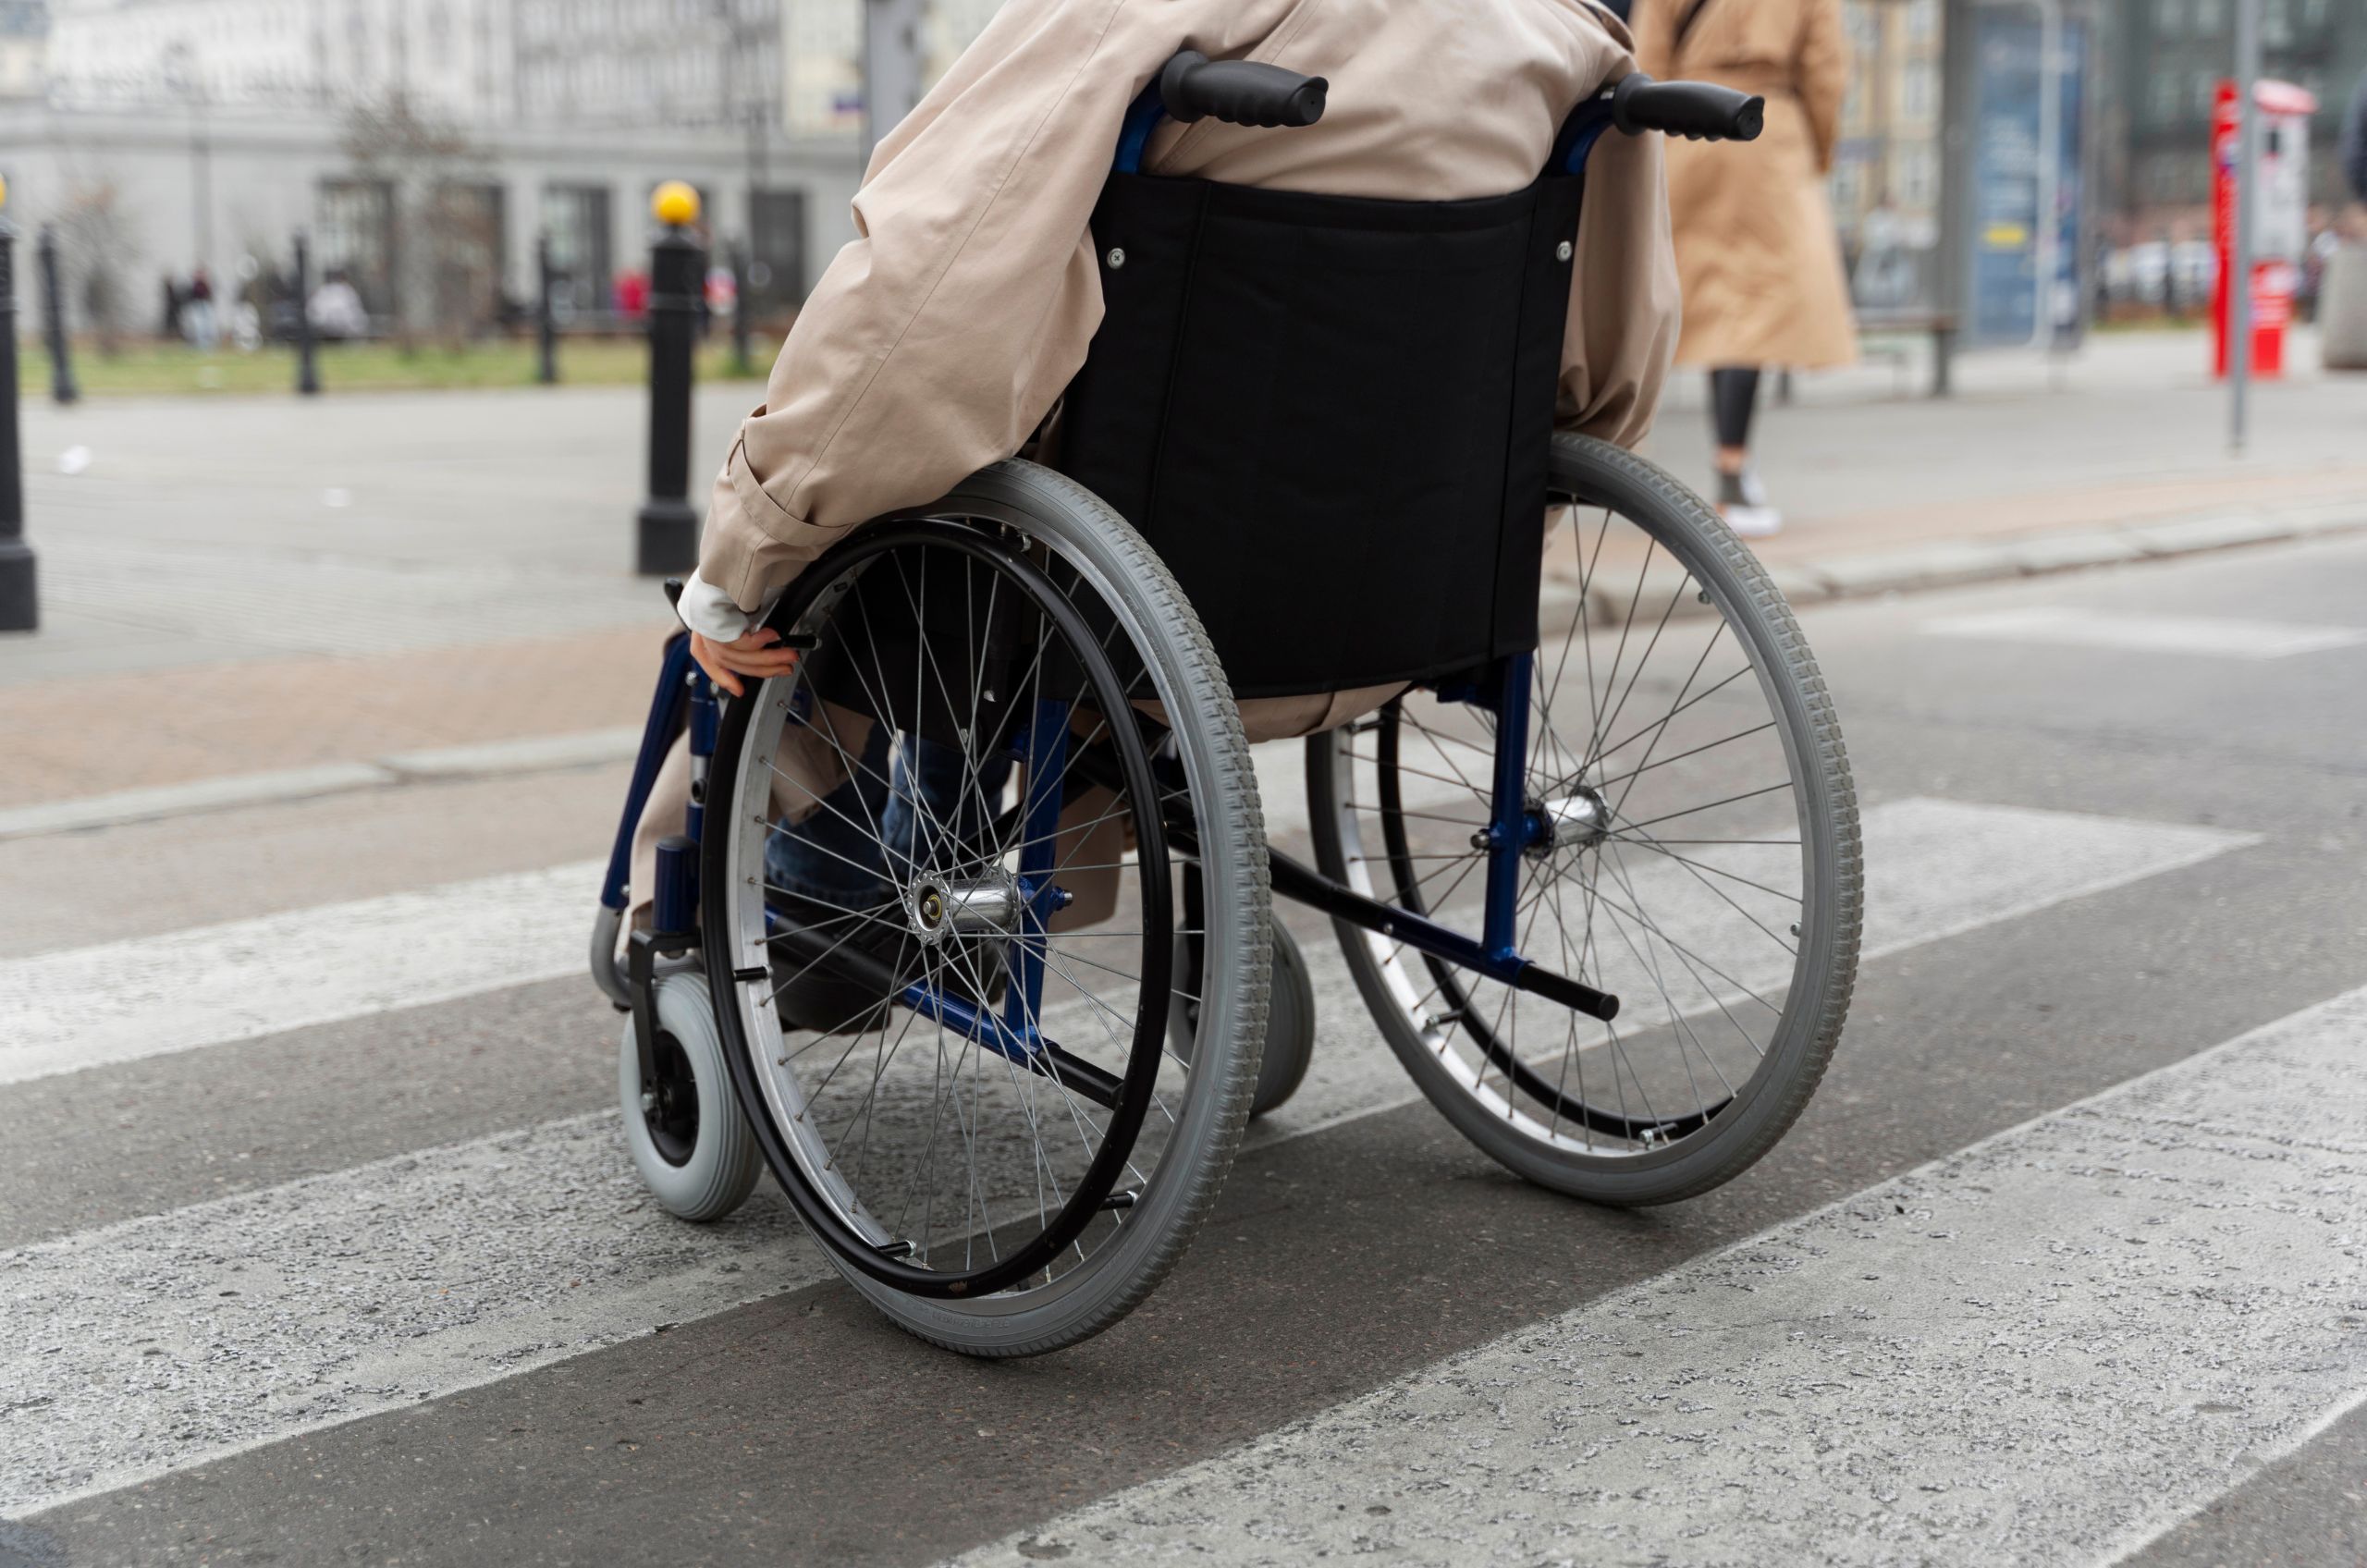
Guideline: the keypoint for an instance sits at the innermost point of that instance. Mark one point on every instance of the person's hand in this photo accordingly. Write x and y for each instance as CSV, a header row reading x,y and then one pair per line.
x,y
758,654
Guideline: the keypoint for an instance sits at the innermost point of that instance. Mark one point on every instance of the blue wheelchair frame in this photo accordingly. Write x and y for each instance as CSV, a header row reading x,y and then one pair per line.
x,y
685,697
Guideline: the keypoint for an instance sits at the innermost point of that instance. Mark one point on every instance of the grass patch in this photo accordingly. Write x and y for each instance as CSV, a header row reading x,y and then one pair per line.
x,y
176,370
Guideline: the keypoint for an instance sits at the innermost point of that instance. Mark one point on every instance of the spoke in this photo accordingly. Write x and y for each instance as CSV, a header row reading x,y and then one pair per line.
x,y
1649,766
1611,903
1660,729
1646,842
1679,1027
1704,695
1637,675
1694,811
1619,654
1729,900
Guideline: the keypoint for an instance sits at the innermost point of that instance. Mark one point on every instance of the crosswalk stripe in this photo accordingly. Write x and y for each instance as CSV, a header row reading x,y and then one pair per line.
x,y
2052,1344
2209,635
1933,869
155,1342
363,1290
120,1002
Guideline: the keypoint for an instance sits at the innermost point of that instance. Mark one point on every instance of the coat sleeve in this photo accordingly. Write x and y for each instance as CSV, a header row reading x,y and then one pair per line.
x,y
1623,307
939,340
1654,27
1824,75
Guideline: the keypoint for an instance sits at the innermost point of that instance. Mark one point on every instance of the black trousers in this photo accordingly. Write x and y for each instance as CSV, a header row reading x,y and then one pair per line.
x,y
1733,397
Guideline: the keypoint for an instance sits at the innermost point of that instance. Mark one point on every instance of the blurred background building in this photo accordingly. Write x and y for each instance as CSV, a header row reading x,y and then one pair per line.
x,y
424,144
2006,168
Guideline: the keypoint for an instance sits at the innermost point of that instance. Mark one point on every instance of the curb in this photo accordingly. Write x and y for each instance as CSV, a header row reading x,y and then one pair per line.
x,y
533,753
1946,565
1956,563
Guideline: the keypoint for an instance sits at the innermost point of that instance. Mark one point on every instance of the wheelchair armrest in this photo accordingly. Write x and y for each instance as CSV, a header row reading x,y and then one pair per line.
x,y
1240,92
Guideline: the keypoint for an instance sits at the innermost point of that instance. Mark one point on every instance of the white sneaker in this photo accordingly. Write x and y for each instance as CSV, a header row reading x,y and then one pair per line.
x,y
1750,521
1743,503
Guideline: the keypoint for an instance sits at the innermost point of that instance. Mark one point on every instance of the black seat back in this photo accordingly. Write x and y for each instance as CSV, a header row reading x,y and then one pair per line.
x,y
1332,417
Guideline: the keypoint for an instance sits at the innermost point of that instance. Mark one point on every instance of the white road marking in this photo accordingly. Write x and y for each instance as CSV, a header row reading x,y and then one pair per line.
x,y
2147,633
194,1334
119,1001
421,1275
1933,869
2043,1348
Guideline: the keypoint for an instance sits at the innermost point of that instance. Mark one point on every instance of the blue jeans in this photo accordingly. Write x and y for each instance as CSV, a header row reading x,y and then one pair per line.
x,y
926,810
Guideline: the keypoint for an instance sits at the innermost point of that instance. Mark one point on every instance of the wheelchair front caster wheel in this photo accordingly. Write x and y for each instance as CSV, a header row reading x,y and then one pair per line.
x,y
1290,1023
694,1148
1289,1026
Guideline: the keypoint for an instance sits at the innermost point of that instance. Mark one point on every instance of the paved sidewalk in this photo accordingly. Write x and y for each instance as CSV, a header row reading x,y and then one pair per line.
x,y
244,587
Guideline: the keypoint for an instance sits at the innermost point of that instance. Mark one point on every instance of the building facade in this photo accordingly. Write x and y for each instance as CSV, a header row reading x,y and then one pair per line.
x,y
2165,60
1886,167
424,145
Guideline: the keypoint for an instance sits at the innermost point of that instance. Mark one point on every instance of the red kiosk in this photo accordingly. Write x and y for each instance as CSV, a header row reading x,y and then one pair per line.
x,y
2280,216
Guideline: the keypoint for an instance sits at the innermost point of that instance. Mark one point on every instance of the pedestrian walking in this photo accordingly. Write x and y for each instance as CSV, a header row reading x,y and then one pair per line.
x,y
197,313
1756,247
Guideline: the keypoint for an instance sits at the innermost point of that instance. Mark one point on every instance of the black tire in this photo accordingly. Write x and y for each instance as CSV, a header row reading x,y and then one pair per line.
x,y
1126,1200
1379,819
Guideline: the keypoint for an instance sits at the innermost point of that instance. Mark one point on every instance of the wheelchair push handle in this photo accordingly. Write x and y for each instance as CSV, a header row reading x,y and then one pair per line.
x,y
1695,110
1242,92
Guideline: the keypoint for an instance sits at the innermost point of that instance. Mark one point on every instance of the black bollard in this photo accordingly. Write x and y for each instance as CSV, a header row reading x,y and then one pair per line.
x,y
52,306
545,323
740,362
19,604
308,374
669,533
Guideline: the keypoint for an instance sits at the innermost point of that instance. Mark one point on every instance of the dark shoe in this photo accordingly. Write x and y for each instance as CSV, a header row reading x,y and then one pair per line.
x,y
818,995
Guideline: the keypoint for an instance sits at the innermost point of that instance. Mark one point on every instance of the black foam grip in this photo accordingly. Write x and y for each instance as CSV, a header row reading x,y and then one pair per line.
x,y
1241,91
1696,110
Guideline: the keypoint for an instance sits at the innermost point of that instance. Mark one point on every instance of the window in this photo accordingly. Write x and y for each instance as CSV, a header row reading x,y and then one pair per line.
x,y
576,217
776,260
357,238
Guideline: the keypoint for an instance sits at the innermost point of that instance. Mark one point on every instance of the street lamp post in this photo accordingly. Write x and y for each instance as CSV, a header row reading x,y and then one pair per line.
x,y
2240,285
62,387
20,602
668,528
308,374
545,320
740,362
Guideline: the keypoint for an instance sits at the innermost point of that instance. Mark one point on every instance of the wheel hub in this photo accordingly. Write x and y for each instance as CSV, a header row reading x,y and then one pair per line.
x,y
1578,820
939,906
670,1105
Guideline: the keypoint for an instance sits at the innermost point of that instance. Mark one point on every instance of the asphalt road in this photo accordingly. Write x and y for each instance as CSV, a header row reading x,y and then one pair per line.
x,y
2068,1262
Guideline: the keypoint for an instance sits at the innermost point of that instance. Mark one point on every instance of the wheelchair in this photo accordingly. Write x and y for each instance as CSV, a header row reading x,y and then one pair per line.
x,y
1594,867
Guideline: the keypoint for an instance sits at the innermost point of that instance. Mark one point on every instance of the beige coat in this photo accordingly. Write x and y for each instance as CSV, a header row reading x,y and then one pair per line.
x,y
939,341
1755,238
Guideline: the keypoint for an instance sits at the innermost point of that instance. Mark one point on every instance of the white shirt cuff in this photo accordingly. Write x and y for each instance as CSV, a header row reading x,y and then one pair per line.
x,y
708,611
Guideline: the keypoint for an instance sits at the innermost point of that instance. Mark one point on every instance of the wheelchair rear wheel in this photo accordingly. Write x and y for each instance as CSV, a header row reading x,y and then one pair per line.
x,y
1009,1156
1702,862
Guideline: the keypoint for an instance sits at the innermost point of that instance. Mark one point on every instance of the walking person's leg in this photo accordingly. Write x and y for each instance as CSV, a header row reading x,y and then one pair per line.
x,y
1734,399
